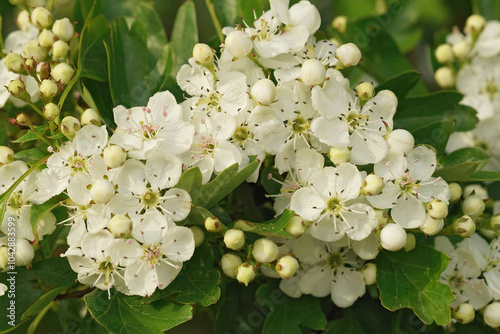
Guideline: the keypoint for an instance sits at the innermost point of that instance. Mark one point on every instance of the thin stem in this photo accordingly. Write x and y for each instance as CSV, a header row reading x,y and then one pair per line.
x,y
35,108
68,89
1,39
50,4
32,128
215,19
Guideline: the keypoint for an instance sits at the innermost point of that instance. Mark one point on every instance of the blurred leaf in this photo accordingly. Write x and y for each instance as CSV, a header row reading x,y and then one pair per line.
x,y
435,134
30,135
246,9
89,325
184,34
400,84
92,53
484,176
157,38
466,154
30,155
98,96
457,173
227,11
127,314
348,324
411,280
286,314
42,302
272,228
490,9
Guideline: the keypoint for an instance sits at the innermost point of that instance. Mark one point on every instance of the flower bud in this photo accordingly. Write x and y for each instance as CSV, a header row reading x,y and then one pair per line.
x,y
313,72
63,72
388,93
238,43
339,155
401,141
46,38
264,92
495,222
348,54
475,24
296,226
455,191
3,258
464,226
445,77
492,315
102,191
437,209
432,226
24,252
461,50
35,51
45,71
30,66
23,19
114,156
15,63
373,185
213,224
48,90
229,263
340,23
69,126
245,273
90,116
264,250
60,49
304,14
234,239
444,54
369,272
6,155
464,313
365,91
198,234
392,237
120,226
51,111
17,89
63,29
287,266
411,242
475,189
473,206
23,119
203,54
41,17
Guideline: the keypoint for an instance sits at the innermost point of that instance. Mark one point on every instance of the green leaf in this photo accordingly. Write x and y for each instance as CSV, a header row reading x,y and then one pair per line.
x,y
209,194
196,216
272,228
184,34
348,324
458,173
92,61
42,302
411,280
227,11
435,134
30,135
98,96
467,154
490,9
483,176
197,282
287,315
30,155
400,84
127,314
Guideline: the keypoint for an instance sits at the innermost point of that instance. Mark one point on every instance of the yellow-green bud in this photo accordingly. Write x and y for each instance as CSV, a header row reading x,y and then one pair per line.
x,y
203,54
455,191
63,29
437,209
46,38
234,239
48,90
444,54
15,63
45,71
69,126
90,116
198,234
17,89
63,72
464,226
23,119
393,237
348,54
35,51
114,156
41,17
51,111
382,217
365,91
491,315
495,222
245,273
473,206
339,155
3,258
464,313
411,242
287,266
30,66
296,226
475,189
213,224
373,184
445,77
369,272
340,23
475,24
229,263
432,226
461,50
60,49
265,251
120,226
6,155
238,43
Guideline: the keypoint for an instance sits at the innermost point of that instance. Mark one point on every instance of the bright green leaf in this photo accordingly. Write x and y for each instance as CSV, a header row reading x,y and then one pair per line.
x,y
30,155
466,154
435,134
272,228
484,176
227,11
184,34
458,173
400,84
411,280
127,314
42,302
490,9
30,135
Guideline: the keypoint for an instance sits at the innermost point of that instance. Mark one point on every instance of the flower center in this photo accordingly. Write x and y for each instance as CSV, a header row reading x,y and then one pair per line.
x,y
15,201
150,199
207,146
153,255
241,134
335,260
334,205
77,165
354,119
107,268
299,125
407,184
149,131
490,89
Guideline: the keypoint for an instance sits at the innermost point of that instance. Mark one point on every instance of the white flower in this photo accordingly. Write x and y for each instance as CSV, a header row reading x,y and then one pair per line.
x,y
3,288
488,42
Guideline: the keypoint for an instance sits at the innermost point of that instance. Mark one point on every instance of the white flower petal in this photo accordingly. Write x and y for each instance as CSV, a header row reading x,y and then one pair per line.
x,y
347,286
408,212
307,203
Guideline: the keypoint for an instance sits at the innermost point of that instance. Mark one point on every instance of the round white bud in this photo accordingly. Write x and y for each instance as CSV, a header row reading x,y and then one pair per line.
x,y
296,226
437,209
388,93
4,256
63,29
120,226
245,273
48,89
102,191
461,50
90,116
464,313
445,77
60,49
229,263
464,226
475,24
51,111
15,63
475,189
306,15
23,19
24,252
339,155
264,92
6,155
203,54
287,266
340,23
473,206
238,43
365,91
444,54
373,184
313,72
234,239
348,54
46,38
264,250
401,141
41,17
432,226
492,315
369,272
69,126
35,51
455,191
213,224
63,72
392,237
198,234
114,156
411,242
